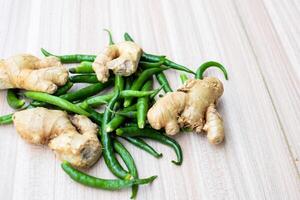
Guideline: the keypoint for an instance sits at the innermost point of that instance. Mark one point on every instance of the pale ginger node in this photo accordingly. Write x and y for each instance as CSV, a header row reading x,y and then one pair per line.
x,y
189,109
28,72
214,125
121,58
73,139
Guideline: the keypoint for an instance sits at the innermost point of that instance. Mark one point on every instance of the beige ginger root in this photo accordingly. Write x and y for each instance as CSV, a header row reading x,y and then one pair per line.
x,y
121,58
192,106
73,139
28,72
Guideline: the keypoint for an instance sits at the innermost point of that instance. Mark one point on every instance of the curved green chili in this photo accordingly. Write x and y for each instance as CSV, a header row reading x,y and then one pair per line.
x,y
134,131
143,105
6,119
129,162
86,78
108,154
13,100
57,101
147,65
95,116
118,119
106,184
86,91
138,83
103,99
204,66
138,142
163,81
111,41
183,78
72,58
83,68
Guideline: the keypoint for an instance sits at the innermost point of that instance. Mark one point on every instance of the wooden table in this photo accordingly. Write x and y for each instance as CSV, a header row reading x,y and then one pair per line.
x,y
257,40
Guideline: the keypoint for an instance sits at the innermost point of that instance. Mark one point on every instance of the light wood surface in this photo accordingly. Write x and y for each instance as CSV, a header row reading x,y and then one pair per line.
x,y
257,40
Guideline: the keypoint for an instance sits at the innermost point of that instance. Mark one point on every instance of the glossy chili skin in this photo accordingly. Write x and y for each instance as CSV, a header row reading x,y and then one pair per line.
x,y
84,78
83,68
134,131
72,58
200,71
13,100
143,105
57,101
105,184
129,162
106,140
6,119
163,81
140,143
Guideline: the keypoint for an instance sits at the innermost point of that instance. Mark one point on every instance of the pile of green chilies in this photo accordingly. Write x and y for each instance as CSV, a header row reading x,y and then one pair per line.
x,y
124,116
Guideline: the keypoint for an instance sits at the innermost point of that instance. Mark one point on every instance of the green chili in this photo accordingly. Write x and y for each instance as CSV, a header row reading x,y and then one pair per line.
x,y
86,78
147,65
57,101
129,162
163,81
118,119
183,78
13,100
85,92
75,58
95,116
111,41
138,83
204,66
138,142
106,184
143,105
6,119
83,68
134,131
108,154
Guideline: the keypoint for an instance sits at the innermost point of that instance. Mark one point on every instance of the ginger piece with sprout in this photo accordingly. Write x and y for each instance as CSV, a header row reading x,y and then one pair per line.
x,y
192,106
28,72
121,58
73,139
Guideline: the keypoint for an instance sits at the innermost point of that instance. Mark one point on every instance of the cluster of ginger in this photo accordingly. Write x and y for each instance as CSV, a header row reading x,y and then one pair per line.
x,y
74,138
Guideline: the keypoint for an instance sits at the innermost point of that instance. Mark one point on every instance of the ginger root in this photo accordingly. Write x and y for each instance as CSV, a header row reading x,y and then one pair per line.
x,y
28,72
121,58
192,106
73,139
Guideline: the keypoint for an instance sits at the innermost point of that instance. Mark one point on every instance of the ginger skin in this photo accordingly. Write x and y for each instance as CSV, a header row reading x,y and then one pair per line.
x,y
121,58
191,106
73,139
28,72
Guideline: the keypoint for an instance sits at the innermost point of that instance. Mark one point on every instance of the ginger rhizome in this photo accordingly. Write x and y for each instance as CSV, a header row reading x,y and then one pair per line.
x,y
191,106
121,58
72,138
28,72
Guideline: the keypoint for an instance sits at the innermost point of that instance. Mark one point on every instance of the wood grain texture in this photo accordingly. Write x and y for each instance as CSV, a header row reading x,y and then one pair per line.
x,y
258,42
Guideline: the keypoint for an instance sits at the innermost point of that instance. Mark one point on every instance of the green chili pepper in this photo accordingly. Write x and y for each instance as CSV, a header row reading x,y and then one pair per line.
x,y
108,153
86,78
138,142
134,131
13,100
111,41
57,101
118,119
86,91
147,65
163,81
95,116
75,58
6,119
143,105
106,184
138,83
129,162
83,68
183,78
204,66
